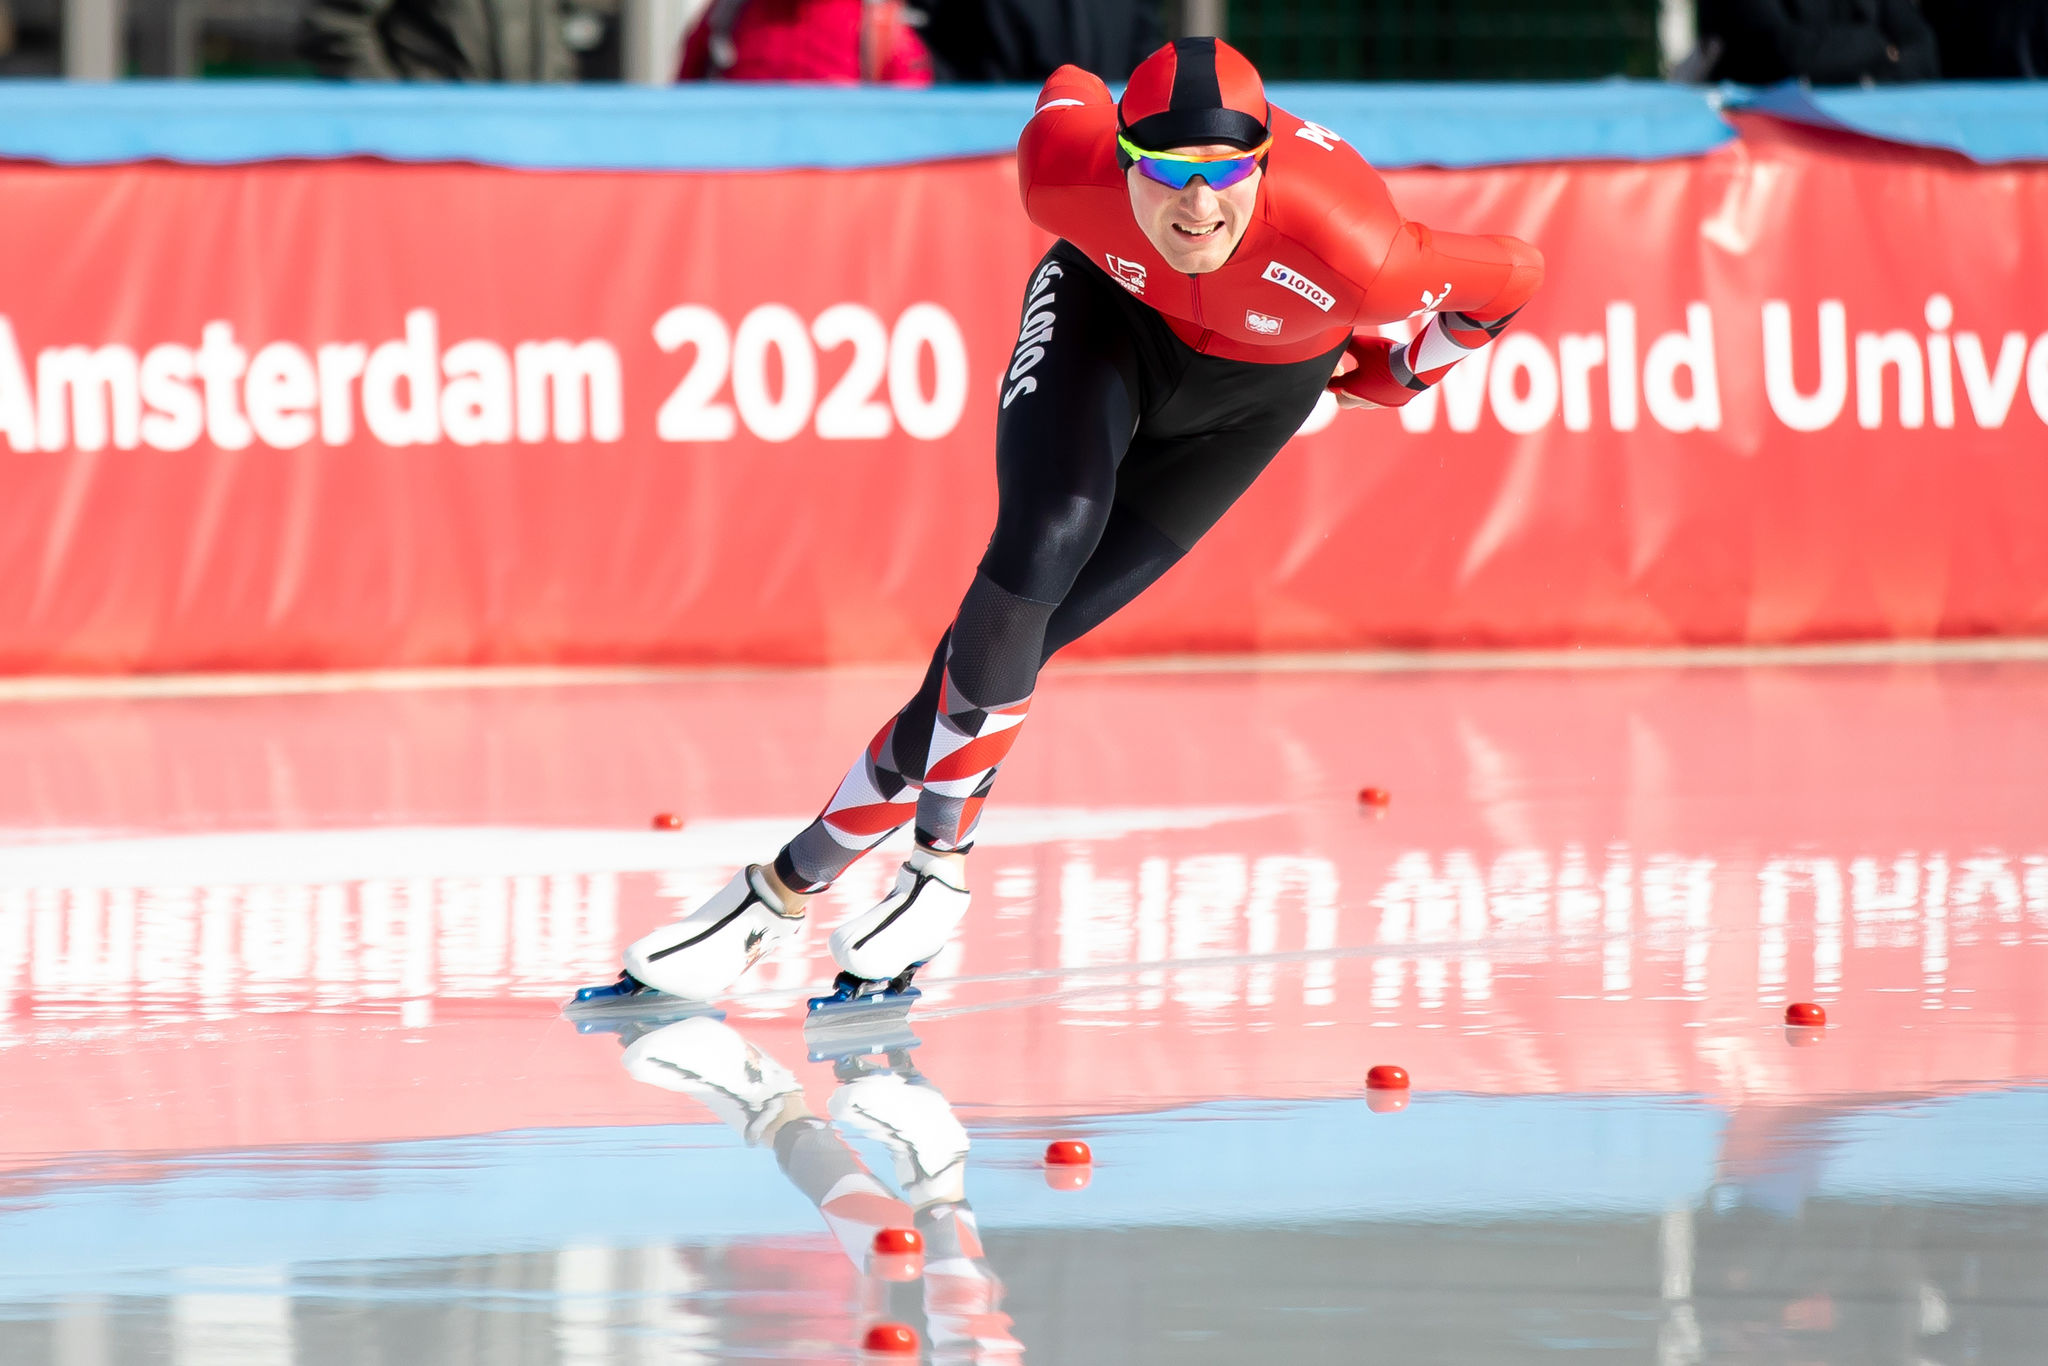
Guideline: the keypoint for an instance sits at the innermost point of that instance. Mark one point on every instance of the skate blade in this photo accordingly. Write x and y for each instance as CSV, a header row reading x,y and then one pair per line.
x,y
626,1002
840,1003
852,1029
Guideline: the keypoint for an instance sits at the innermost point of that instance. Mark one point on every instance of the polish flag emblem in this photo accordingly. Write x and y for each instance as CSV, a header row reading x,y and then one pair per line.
x,y
1129,274
1261,324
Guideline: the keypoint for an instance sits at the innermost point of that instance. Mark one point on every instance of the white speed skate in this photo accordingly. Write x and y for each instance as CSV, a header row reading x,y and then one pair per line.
x,y
709,1061
880,950
699,957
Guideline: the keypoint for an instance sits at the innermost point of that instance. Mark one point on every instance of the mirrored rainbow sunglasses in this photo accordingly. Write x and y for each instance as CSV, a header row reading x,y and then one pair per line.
x,y
1171,168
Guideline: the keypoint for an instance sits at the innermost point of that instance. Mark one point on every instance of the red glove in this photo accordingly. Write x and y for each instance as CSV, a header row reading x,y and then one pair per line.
x,y
1373,380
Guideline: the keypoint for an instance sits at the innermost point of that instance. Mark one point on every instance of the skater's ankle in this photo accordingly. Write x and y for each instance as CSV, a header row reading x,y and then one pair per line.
x,y
773,890
949,866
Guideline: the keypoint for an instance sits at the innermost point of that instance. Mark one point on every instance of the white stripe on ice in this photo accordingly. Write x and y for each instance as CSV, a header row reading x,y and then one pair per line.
x,y
304,857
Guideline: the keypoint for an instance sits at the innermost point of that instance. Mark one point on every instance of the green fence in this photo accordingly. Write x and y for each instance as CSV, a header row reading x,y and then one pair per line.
x,y
1446,40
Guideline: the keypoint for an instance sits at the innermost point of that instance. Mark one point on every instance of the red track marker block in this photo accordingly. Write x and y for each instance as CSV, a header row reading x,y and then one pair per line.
x,y
1068,1152
668,820
1387,1077
892,1241
1805,1013
1376,797
893,1339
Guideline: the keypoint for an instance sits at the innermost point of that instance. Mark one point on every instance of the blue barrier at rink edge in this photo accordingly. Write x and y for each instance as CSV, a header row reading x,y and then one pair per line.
x,y
755,127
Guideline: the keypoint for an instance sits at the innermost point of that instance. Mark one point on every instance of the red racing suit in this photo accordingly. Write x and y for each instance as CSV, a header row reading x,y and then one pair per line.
x,y
1327,257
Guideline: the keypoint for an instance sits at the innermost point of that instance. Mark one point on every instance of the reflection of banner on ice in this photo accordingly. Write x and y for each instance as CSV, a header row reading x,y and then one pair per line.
x,y
1719,360
251,916
1180,915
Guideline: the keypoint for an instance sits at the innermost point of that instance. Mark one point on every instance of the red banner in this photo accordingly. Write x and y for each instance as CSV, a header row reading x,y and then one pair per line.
x,y
359,414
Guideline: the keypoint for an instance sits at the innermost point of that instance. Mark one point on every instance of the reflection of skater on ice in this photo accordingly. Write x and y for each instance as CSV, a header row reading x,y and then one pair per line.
x,y
881,1095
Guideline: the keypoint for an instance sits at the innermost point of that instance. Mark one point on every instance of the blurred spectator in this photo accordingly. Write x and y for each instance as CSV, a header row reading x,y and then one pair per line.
x,y
439,40
30,39
1026,40
806,40
1991,40
1828,42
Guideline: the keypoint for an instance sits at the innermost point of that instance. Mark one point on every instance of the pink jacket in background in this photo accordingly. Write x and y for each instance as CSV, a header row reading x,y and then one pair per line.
x,y
844,41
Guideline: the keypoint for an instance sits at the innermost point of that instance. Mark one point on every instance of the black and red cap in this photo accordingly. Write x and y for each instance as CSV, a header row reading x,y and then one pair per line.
x,y
1192,91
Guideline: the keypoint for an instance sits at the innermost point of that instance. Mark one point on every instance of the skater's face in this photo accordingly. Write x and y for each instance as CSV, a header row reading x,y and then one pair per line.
x,y
1195,228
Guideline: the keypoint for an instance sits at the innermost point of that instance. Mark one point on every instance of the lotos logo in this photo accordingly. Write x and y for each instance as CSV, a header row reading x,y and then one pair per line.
x,y
1261,324
1035,334
1129,274
1300,284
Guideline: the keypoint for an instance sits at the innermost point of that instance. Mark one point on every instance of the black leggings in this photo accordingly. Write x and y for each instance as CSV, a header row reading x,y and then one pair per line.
x,y
1117,447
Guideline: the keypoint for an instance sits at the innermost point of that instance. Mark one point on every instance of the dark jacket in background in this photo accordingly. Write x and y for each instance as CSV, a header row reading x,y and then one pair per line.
x,y
439,40
1991,39
1829,42
1024,41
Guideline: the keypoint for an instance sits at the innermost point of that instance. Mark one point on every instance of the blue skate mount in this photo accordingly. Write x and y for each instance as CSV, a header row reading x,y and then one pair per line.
x,y
851,994
629,1000
627,986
